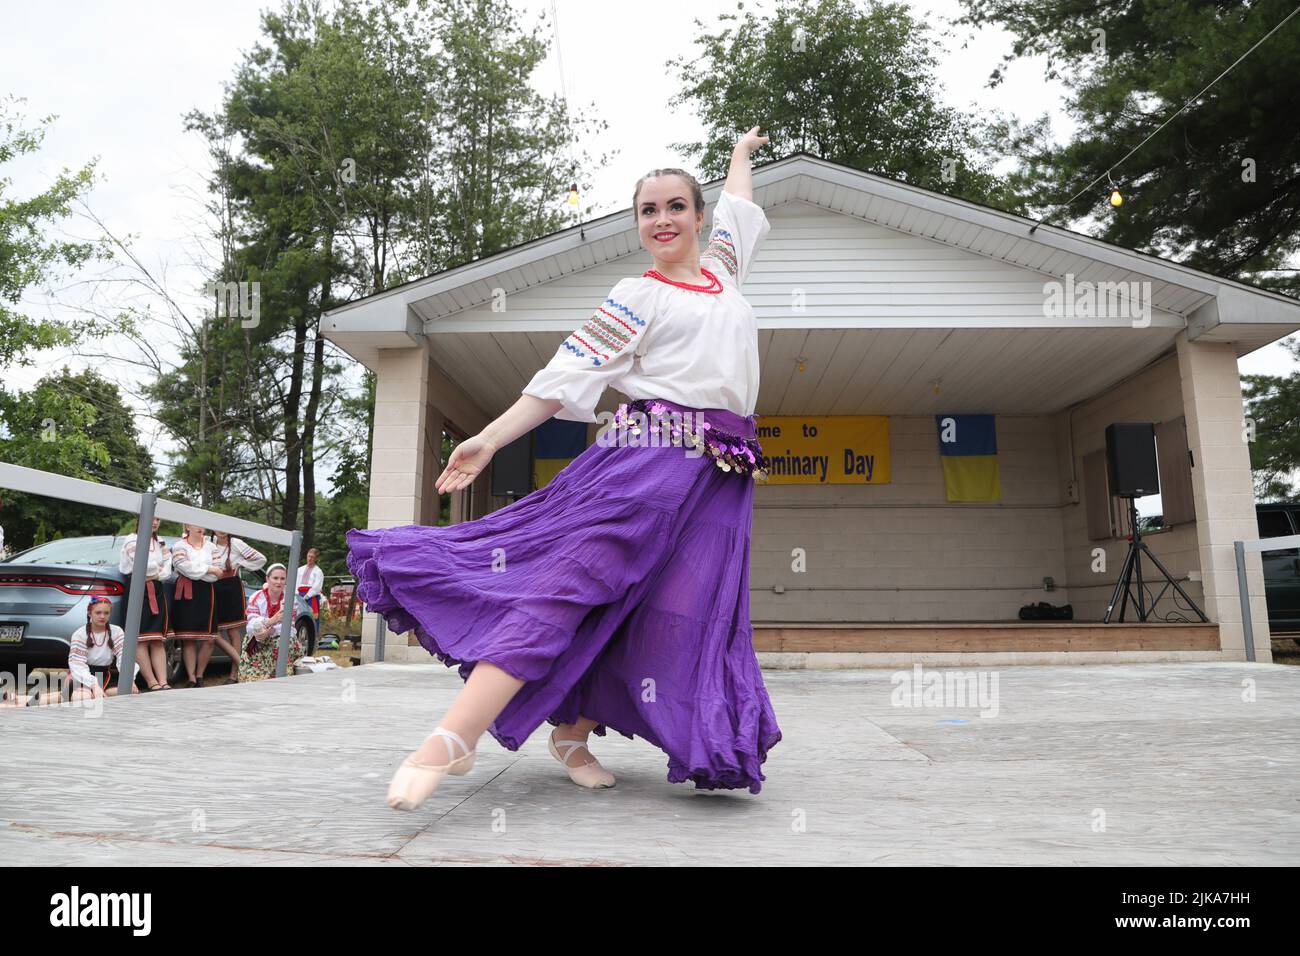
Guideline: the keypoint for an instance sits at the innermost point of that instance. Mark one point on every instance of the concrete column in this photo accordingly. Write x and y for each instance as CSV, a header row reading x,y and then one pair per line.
x,y
1222,489
399,463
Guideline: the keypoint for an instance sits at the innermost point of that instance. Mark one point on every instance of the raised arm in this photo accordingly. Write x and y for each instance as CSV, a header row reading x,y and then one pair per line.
x,y
739,182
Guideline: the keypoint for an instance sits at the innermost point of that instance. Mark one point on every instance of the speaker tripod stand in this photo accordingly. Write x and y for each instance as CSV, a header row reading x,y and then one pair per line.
x,y
1133,562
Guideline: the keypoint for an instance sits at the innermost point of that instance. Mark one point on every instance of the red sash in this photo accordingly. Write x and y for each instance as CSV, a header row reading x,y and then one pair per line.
x,y
253,642
313,602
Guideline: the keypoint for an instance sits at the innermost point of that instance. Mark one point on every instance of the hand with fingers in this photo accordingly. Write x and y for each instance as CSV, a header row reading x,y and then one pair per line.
x,y
751,141
468,459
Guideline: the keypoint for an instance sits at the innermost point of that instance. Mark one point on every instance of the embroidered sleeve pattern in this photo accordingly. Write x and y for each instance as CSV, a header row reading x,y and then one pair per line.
x,y
722,249
189,563
739,225
249,557
256,613
598,353
77,665
612,328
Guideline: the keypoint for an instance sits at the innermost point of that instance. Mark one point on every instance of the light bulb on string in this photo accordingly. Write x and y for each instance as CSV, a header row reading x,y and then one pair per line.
x,y
1116,199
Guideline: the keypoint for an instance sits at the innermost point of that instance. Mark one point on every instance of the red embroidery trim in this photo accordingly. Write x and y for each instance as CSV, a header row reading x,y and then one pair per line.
x,y
713,288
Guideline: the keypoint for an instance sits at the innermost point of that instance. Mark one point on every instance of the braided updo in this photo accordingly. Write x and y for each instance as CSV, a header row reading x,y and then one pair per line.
x,y
697,193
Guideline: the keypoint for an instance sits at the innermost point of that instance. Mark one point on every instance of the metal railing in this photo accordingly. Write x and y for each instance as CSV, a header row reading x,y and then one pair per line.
x,y
148,506
1258,546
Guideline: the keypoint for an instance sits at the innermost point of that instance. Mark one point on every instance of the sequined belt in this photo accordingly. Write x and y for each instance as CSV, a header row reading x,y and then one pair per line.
x,y
731,453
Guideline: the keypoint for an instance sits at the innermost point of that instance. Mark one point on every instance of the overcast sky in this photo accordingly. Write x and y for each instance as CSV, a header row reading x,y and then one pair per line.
x,y
120,77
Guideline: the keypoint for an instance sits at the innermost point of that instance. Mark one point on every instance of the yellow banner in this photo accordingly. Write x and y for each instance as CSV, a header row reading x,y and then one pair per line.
x,y
826,449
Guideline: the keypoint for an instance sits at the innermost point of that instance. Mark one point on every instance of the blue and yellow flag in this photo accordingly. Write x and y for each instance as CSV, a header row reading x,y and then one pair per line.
x,y
968,447
556,442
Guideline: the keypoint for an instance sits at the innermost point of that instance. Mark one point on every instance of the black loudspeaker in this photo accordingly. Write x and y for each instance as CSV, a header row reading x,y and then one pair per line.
x,y
512,468
1131,459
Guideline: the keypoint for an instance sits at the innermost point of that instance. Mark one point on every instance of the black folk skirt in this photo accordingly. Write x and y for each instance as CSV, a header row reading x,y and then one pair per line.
x,y
193,615
229,597
155,616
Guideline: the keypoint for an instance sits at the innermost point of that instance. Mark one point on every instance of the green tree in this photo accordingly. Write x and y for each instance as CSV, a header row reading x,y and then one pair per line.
x,y
75,425
846,84
1218,188
377,142
201,403
1273,404
28,256
352,437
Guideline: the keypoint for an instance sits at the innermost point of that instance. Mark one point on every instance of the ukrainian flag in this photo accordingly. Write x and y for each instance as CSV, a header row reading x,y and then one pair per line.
x,y
556,442
968,447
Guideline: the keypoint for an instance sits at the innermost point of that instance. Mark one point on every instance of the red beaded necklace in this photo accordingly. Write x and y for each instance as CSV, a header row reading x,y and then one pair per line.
x,y
713,288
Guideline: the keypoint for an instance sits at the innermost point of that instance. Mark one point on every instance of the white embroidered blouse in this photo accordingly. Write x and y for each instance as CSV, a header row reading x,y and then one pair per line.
x,y
651,339
239,553
199,563
312,578
159,567
83,652
260,610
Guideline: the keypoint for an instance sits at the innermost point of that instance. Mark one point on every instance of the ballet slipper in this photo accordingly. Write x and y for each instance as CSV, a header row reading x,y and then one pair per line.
x,y
415,782
592,776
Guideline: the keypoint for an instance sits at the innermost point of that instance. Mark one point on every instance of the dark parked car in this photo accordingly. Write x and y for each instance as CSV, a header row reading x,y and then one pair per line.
x,y
1281,567
44,592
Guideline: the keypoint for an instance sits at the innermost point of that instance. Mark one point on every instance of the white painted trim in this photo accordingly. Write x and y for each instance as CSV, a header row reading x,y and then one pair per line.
x,y
49,485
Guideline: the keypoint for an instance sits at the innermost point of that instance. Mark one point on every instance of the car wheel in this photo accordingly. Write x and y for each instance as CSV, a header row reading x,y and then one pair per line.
x,y
307,636
175,663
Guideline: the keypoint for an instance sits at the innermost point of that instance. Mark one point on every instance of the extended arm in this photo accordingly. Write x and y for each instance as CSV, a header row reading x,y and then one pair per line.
x,y
523,416
739,182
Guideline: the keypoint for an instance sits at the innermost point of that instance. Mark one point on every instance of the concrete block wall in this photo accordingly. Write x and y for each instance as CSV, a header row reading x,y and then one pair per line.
x,y
1155,395
901,551
1223,491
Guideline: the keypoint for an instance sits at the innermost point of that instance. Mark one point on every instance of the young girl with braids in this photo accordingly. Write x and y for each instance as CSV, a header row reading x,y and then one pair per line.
x,y
95,655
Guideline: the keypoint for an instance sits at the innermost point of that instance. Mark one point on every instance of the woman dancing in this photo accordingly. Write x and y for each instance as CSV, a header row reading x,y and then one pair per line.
x,y
617,596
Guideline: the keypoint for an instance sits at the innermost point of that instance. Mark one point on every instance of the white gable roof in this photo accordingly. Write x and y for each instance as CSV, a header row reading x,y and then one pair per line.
x,y
854,261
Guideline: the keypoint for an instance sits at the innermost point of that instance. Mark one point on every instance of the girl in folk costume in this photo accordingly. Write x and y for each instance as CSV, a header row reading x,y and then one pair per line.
x,y
95,652
623,598
155,615
265,615
193,618
229,555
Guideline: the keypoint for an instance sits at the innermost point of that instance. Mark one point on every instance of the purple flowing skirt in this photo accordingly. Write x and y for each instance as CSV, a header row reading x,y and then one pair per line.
x,y
618,592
